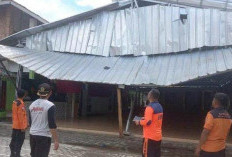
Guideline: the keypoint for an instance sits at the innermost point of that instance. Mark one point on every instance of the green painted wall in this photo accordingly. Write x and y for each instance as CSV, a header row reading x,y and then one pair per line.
x,y
10,95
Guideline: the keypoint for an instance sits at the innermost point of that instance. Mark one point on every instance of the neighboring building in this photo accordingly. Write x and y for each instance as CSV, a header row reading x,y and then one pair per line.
x,y
13,18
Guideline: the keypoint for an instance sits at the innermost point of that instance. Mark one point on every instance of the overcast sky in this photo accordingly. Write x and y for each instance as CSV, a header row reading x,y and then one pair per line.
x,y
53,10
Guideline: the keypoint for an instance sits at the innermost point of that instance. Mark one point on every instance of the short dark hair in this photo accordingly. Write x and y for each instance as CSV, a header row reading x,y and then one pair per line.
x,y
155,93
21,93
223,99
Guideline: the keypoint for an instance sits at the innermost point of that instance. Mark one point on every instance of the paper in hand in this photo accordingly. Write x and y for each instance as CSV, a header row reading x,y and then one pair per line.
x,y
136,118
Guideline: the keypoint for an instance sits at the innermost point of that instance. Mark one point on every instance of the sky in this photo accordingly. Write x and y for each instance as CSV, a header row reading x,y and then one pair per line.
x,y
53,10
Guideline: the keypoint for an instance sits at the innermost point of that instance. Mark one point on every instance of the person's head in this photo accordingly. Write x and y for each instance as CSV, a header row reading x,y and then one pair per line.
x,y
221,100
44,91
21,93
153,95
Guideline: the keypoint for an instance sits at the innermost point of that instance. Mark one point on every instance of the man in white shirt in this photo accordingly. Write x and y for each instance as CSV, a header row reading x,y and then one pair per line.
x,y
42,122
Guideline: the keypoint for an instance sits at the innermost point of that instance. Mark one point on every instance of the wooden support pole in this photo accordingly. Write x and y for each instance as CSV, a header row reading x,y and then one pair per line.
x,y
202,101
84,99
119,95
184,102
73,104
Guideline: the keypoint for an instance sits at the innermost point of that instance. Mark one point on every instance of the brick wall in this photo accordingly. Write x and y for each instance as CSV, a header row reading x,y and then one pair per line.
x,y
13,20
19,20
5,21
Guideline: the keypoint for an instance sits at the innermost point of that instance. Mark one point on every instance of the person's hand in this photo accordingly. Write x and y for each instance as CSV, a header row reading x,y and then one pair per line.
x,y
137,122
197,151
56,145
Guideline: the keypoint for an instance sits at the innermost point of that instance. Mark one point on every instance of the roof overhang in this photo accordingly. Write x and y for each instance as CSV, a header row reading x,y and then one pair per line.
x,y
156,70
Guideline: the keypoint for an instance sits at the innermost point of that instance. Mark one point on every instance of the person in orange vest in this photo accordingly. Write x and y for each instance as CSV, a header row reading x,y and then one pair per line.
x,y
152,125
19,119
216,129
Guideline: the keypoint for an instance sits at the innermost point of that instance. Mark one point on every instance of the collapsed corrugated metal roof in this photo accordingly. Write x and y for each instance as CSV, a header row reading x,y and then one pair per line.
x,y
52,25
139,31
160,70
142,31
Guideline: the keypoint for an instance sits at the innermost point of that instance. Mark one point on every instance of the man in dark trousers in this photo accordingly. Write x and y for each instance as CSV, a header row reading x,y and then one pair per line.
x,y
43,125
152,125
19,119
216,129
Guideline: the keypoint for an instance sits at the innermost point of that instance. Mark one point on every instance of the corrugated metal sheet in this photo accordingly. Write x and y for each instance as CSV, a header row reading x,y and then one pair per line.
x,y
142,31
54,25
161,70
219,4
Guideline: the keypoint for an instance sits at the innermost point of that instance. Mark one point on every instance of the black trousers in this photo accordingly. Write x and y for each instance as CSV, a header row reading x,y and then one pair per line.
x,y
151,148
16,143
221,153
40,146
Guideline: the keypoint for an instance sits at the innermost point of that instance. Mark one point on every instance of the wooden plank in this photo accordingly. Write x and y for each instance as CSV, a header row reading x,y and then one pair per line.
x,y
119,95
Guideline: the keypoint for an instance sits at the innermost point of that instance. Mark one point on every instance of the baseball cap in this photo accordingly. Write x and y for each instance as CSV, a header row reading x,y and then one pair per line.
x,y
44,89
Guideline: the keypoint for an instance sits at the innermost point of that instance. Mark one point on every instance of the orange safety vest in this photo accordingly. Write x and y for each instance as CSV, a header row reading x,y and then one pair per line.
x,y
19,115
152,122
218,122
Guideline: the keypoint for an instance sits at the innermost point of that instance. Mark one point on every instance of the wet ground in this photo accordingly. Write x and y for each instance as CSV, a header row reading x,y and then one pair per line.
x,y
92,143
80,151
66,150
183,126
